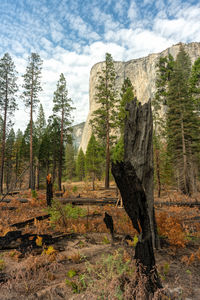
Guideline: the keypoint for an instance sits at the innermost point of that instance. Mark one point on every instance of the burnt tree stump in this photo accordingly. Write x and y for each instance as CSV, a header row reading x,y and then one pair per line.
x,y
49,190
134,178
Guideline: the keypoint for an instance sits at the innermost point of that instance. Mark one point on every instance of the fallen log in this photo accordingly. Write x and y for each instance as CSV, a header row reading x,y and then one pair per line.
x,y
187,204
88,201
30,221
23,242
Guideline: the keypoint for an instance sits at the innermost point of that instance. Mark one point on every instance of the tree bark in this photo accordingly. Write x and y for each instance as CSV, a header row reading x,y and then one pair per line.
x,y
61,153
134,178
157,157
4,138
31,181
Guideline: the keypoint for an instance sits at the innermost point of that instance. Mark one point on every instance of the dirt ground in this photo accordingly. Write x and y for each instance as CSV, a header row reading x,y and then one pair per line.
x,y
85,263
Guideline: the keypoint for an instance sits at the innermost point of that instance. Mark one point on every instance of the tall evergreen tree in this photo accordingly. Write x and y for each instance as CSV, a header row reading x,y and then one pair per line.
x,y
32,87
40,126
80,165
18,158
92,159
8,89
163,166
195,83
10,158
104,118
182,123
62,109
70,163
127,95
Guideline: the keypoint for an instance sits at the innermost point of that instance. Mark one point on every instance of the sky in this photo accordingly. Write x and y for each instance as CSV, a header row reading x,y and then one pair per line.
x,y
71,36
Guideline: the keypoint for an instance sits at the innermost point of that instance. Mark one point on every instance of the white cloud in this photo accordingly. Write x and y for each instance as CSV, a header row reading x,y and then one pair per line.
x,y
132,11
71,38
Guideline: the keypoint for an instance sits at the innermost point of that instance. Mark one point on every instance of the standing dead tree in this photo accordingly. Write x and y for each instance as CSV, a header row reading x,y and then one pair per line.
x,y
134,178
49,190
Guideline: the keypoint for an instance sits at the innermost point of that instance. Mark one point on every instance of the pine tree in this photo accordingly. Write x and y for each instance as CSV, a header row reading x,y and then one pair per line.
x,y
40,126
104,118
32,87
80,165
126,96
18,158
182,124
8,89
93,159
70,163
62,108
195,83
10,158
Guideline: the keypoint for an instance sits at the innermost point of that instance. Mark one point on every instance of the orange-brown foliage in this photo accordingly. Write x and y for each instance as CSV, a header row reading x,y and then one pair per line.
x,y
171,228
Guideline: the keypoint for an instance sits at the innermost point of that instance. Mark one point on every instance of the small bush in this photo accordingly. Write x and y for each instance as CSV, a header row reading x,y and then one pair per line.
x,y
34,194
60,213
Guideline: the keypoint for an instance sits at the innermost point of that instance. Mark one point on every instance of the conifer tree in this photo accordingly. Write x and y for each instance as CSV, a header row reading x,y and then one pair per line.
x,y
195,83
159,104
8,89
70,163
18,158
40,126
62,109
10,159
32,87
127,95
93,159
80,165
182,124
104,118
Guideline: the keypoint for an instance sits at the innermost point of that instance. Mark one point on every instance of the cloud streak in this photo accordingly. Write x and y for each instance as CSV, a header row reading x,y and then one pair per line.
x,y
71,36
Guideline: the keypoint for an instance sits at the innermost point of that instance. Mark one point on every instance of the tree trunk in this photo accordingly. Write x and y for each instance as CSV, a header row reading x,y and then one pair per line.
x,y
31,181
3,140
107,179
61,153
93,180
157,158
185,183
134,178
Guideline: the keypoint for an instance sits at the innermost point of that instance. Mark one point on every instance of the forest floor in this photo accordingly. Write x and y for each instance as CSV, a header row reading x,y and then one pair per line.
x,y
84,262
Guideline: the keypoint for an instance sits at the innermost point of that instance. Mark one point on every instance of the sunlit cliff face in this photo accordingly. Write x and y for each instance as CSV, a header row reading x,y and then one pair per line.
x,y
142,73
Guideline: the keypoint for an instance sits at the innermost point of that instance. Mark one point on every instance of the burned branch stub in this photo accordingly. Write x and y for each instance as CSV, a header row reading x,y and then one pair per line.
x,y
134,178
49,191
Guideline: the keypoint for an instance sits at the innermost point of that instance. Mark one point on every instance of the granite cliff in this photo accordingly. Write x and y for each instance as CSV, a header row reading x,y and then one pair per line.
x,y
142,73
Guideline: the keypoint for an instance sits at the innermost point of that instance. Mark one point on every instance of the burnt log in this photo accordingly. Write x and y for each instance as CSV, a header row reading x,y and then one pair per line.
x,y
29,221
134,178
26,242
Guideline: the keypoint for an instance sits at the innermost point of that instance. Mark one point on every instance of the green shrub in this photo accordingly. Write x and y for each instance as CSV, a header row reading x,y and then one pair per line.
x,y
34,194
60,213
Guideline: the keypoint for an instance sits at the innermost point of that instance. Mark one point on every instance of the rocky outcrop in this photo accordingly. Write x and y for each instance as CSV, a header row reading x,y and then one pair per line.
x,y
77,132
142,73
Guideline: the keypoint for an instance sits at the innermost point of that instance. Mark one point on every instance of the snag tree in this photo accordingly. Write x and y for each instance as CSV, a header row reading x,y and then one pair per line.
x,y
134,178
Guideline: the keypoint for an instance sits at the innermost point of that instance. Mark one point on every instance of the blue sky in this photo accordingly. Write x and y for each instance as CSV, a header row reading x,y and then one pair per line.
x,y
72,35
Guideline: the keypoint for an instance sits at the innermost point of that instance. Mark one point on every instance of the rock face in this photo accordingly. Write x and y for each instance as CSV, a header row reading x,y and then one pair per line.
x,y
142,73
77,132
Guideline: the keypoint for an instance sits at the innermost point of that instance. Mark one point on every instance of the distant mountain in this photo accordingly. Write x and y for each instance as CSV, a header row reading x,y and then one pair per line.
x,y
77,134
